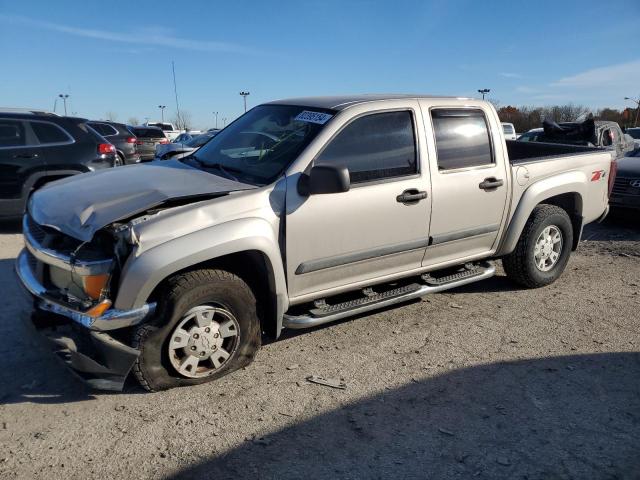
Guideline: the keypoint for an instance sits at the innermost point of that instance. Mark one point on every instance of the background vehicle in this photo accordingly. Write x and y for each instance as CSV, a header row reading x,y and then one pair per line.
x,y
119,135
36,149
147,140
634,132
626,189
169,129
181,149
183,137
509,131
299,213
599,133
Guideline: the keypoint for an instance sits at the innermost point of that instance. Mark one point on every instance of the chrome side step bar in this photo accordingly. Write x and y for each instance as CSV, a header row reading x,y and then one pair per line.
x,y
309,320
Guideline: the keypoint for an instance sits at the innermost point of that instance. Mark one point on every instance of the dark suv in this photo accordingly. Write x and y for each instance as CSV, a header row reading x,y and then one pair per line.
x,y
38,148
119,135
148,138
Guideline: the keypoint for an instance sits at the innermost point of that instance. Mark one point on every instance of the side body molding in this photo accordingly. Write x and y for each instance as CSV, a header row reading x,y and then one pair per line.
x,y
142,273
569,182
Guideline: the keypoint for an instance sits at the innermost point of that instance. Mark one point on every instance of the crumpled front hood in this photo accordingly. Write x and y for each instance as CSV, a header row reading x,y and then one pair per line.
x,y
82,204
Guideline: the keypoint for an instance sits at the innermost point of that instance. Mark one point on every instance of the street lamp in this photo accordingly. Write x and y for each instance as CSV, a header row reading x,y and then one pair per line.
x,y
224,122
637,102
244,95
484,91
216,114
162,107
64,98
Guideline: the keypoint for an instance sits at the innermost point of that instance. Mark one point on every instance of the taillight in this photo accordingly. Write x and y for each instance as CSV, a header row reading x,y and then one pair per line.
x,y
132,140
613,170
164,141
106,148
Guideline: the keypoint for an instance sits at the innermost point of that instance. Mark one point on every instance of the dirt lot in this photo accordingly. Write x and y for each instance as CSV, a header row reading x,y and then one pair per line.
x,y
487,381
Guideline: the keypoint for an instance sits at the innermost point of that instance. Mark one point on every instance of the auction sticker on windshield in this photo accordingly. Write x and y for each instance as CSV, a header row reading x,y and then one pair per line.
x,y
313,117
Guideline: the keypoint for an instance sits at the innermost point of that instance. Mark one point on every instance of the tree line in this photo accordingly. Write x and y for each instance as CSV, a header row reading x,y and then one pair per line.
x,y
527,117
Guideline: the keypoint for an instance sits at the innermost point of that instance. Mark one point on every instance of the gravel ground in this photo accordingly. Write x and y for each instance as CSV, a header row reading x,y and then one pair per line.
x,y
486,381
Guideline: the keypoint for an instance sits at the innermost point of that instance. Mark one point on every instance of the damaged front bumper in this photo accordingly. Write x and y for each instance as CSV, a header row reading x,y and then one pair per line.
x,y
79,339
97,358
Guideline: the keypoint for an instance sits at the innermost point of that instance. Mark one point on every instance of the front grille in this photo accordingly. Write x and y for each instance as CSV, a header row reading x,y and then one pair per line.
x,y
36,231
622,186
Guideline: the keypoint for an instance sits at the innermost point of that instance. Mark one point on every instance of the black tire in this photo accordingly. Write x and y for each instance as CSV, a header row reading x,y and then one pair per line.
x,y
520,265
119,161
153,368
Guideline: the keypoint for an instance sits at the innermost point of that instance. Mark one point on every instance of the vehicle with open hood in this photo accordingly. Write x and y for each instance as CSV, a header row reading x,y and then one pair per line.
x,y
299,213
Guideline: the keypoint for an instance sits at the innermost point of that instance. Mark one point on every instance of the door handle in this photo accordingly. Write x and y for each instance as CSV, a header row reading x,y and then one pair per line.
x,y
25,155
491,183
411,196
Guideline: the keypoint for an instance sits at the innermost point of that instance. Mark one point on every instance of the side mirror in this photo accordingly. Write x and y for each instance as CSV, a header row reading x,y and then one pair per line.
x,y
324,179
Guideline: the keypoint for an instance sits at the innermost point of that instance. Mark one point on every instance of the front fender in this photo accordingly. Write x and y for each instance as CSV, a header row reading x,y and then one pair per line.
x,y
143,272
570,182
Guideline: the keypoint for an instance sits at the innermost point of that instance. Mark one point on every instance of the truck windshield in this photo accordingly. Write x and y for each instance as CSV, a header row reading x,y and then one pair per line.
x,y
262,143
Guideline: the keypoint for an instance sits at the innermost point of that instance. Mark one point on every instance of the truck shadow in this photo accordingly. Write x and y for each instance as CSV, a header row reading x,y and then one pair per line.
x,y
618,226
10,226
574,416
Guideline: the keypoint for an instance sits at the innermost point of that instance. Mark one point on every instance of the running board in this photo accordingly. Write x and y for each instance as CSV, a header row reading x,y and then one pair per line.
x,y
324,313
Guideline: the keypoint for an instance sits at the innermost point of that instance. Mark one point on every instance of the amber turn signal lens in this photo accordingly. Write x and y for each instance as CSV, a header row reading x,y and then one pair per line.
x,y
98,309
94,284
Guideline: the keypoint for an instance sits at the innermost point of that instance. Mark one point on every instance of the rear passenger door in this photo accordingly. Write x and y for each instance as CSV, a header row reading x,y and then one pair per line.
x,y
20,158
469,184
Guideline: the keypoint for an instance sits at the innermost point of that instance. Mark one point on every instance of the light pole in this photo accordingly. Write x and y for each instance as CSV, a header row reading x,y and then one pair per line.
x,y
484,91
216,114
244,96
637,102
162,107
64,98
224,122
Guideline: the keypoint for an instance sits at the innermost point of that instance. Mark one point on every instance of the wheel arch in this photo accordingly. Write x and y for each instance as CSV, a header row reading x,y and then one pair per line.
x,y
247,248
566,191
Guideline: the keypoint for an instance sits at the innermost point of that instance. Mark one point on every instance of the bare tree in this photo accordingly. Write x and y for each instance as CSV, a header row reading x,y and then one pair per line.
x,y
182,121
133,121
111,116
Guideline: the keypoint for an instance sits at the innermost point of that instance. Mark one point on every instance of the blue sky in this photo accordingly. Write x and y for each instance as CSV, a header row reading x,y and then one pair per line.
x,y
116,56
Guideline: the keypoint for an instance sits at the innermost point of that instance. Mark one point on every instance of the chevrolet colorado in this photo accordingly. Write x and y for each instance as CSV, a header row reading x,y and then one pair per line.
x,y
301,212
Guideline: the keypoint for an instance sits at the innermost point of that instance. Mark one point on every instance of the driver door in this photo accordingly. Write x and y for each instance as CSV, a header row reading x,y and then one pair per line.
x,y
338,241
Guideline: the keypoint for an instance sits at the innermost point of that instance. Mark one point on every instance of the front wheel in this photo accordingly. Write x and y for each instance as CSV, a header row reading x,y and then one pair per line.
x,y
207,327
543,250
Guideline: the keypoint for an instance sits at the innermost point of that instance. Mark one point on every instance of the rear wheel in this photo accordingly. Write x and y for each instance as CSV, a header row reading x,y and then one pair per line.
x,y
543,250
119,160
207,327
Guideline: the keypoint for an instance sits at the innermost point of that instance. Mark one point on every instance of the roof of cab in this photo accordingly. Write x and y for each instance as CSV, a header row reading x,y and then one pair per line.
x,y
341,102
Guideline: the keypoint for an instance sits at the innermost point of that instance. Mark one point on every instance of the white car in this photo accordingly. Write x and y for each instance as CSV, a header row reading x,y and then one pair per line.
x,y
509,131
169,129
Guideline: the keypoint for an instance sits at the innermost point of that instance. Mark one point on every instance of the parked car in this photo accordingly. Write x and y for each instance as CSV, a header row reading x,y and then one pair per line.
x,y
599,133
181,149
183,137
301,212
169,129
509,131
626,189
634,132
119,135
36,149
147,140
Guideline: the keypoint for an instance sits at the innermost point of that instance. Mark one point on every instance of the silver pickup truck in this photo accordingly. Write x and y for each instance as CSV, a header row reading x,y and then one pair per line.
x,y
301,212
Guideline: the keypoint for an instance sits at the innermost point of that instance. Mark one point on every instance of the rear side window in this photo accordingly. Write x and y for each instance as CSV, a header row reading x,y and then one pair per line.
x,y
374,147
11,133
49,133
508,129
462,138
148,133
104,129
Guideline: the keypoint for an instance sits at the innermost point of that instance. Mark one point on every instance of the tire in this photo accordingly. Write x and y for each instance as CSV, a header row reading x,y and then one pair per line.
x,y
119,161
522,265
183,299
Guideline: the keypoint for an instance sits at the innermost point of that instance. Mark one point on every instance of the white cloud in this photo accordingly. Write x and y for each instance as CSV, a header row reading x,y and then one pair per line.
x,y
619,76
510,75
150,37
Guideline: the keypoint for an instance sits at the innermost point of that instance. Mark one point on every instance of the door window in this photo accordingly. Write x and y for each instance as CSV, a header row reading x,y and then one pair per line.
x,y
11,133
375,147
462,138
50,133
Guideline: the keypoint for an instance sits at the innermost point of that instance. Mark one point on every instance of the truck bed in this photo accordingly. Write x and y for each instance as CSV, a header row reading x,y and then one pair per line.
x,y
526,152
